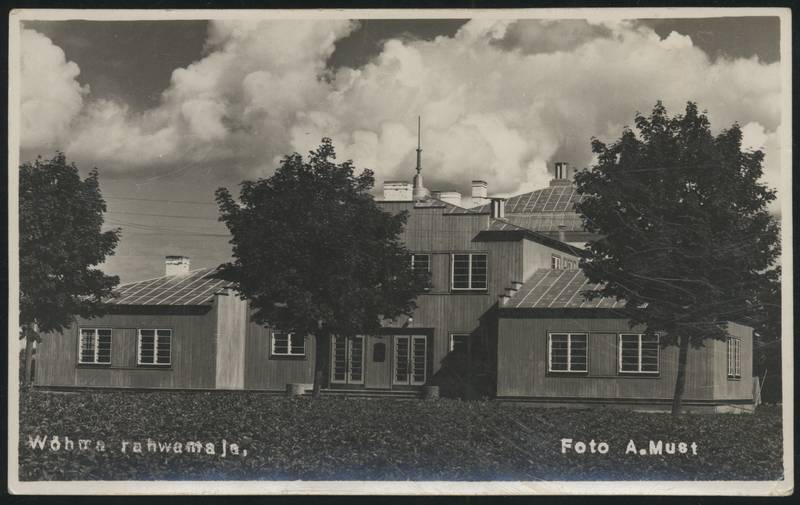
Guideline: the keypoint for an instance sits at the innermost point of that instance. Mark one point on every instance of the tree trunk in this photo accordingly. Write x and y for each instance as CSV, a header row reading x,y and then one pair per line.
x,y
680,381
321,354
28,333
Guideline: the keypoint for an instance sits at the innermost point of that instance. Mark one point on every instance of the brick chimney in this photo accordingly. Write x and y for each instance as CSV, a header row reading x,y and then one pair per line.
x,y
480,192
176,265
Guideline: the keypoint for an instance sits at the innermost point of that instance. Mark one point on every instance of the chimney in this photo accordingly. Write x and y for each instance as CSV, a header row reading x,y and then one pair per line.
x,y
480,192
498,208
451,197
561,232
176,265
397,191
562,174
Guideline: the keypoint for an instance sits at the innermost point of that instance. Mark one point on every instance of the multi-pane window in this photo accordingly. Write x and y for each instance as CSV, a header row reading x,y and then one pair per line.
x,y
469,271
288,344
155,347
410,363
734,358
570,264
638,353
555,262
567,352
95,346
421,265
458,343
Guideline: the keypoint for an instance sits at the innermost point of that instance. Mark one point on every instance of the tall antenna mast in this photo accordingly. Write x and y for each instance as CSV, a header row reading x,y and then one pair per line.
x,y
419,144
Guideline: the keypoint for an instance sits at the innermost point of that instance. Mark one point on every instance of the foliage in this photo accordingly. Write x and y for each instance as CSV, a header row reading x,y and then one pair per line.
x,y
687,241
60,241
313,252
382,439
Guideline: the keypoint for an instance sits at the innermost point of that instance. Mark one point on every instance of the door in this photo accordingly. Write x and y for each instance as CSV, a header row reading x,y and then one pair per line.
x,y
347,356
410,360
378,362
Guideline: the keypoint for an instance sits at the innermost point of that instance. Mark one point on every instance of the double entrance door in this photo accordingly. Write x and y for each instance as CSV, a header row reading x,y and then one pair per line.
x,y
379,361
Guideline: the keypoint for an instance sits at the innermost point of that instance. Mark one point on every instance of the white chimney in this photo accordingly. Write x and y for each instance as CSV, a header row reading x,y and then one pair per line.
x,y
498,208
562,175
176,265
562,232
480,192
451,197
397,191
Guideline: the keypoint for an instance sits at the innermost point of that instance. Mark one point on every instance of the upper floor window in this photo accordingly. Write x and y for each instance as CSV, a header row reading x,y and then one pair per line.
x,y
555,262
288,344
458,343
734,358
95,346
154,347
570,263
638,353
567,352
421,265
469,271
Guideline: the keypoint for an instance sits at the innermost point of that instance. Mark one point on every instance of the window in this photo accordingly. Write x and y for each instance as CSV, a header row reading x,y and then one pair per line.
x,y
638,353
410,363
734,358
288,344
469,271
421,265
555,262
458,343
570,264
95,346
567,352
155,347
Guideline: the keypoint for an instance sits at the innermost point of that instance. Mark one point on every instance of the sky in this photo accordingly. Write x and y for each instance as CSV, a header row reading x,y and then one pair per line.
x,y
170,110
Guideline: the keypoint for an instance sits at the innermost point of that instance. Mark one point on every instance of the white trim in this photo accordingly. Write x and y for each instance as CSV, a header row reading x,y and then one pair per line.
x,y
155,346
96,346
569,351
469,287
409,362
348,359
734,350
639,355
290,335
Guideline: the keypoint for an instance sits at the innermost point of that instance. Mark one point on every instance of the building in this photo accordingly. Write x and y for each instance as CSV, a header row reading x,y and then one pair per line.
x,y
503,318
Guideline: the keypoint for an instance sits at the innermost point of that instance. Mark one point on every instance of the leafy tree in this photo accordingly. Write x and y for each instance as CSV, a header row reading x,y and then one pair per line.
x,y
687,242
60,240
315,255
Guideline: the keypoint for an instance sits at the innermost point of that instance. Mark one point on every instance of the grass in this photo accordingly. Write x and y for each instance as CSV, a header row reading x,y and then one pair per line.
x,y
378,439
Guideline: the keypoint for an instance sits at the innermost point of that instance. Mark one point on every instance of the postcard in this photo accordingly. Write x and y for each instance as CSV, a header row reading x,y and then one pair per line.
x,y
471,252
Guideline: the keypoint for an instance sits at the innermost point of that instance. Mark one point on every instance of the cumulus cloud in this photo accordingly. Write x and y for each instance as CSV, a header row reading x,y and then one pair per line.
x,y
50,93
500,100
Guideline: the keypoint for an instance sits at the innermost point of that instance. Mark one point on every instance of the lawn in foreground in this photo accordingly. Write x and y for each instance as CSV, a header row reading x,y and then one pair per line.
x,y
374,439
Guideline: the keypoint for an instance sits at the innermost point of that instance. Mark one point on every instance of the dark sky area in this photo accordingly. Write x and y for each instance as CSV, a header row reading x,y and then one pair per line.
x,y
132,61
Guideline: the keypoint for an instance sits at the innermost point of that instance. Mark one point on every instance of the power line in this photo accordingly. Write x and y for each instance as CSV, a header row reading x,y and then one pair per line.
x,y
196,202
178,216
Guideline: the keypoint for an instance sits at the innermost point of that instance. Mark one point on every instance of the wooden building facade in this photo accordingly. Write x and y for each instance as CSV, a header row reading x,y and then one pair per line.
x,y
503,318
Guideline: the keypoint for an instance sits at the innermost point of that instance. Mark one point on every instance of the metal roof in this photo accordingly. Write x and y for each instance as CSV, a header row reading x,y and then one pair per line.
x,y
558,289
560,198
549,221
195,288
449,208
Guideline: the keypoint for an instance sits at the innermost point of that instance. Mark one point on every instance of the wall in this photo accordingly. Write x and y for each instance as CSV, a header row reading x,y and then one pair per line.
x,y
537,256
522,362
266,372
193,352
734,389
231,338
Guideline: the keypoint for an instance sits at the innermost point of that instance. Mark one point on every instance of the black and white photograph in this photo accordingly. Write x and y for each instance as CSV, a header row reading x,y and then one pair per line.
x,y
400,252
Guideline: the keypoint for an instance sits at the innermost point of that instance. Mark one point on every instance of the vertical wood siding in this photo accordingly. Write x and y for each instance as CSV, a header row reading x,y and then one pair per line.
x,y
231,336
734,389
522,363
270,373
193,353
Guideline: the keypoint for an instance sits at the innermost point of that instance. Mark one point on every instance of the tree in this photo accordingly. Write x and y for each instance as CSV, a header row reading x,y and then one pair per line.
x,y
687,242
315,255
60,240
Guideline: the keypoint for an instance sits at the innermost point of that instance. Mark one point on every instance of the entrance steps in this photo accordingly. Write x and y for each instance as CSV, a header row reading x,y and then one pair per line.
x,y
369,393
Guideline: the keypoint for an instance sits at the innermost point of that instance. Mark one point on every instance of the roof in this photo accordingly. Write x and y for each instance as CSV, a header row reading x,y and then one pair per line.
x,y
505,227
560,198
558,289
549,221
198,287
449,208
